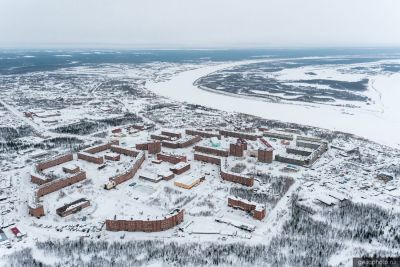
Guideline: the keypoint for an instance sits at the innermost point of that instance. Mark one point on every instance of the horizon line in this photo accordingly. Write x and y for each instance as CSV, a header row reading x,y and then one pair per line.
x,y
104,46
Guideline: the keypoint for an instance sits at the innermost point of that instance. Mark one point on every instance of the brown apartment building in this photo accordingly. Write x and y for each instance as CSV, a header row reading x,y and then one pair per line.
x,y
171,158
257,211
167,222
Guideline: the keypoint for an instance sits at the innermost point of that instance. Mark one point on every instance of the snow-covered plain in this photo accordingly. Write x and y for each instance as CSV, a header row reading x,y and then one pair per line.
x,y
379,122
348,169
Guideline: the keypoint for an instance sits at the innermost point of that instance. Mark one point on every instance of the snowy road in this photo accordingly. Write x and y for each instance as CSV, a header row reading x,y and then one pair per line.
x,y
382,127
278,216
19,115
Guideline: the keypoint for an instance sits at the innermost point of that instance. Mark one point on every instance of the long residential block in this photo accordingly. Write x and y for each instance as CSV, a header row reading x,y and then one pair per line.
x,y
208,158
204,134
100,148
248,136
54,162
237,178
59,184
212,151
124,151
168,222
171,158
93,158
130,173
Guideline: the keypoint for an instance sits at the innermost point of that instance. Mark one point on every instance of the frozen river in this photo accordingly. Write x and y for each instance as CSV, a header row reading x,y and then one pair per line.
x,y
380,123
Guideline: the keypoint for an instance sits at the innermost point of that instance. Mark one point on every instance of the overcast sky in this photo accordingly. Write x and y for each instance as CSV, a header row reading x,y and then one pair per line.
x,y
199,23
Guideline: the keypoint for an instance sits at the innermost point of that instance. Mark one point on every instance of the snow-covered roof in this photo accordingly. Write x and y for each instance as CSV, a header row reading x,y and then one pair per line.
x,y
70,166
328,200
187,180
150,176
112,154
337,195
180,165
165,173
258,207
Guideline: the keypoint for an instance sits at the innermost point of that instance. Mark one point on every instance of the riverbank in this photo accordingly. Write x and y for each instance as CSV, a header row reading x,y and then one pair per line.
x,y
382,127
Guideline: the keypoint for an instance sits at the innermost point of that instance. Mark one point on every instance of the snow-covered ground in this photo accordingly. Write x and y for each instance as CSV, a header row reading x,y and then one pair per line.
x,y
379,122
349,168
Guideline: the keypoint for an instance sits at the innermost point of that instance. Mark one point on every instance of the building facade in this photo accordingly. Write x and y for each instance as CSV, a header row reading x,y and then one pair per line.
x,y
59,184
248,136
168,222
171,158
236,178
212,151
265,155
258,212
207,158
180,168
204,134
96,159
36,210
54,162
73,207
130,173
171,134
